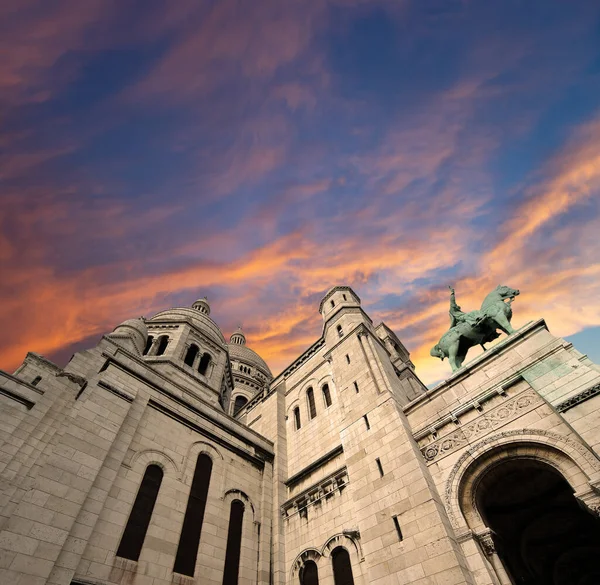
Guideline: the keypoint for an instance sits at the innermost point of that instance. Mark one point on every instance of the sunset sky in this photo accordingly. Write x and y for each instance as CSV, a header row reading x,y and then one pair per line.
x,y
261,151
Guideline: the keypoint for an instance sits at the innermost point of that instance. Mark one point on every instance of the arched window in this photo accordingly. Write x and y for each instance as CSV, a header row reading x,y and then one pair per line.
x,y
234,543
163,341
240,402
326,395
187,549
191,354
134,534
204,363
149,343
342,569
339,330
312,409
309,574
297,418
36,380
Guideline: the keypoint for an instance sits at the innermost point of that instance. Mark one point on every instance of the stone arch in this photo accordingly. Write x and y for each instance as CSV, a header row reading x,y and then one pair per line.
x,y
309,554
187,471
571,458
236,494
349,540
237,393
289,413
154,457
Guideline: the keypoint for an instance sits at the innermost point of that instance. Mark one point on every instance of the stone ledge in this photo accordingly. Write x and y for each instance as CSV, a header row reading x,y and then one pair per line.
x,y
478,362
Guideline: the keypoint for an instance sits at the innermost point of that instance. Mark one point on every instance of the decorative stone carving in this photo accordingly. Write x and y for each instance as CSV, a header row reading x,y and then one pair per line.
x,y
482,425
551,439
476,327
314,495
79,380
486,542
578,398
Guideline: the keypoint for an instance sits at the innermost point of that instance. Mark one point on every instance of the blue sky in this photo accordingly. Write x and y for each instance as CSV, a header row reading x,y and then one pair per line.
x,y
261,152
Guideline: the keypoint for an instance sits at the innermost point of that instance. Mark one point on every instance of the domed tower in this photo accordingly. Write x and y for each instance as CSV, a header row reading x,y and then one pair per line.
x,y
186,345
250,372
131,334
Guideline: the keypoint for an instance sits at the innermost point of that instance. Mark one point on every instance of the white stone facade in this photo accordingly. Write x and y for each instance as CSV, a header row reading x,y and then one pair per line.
x,y
345,455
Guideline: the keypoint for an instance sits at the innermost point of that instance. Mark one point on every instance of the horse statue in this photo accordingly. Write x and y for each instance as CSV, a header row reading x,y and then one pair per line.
x,y
476,327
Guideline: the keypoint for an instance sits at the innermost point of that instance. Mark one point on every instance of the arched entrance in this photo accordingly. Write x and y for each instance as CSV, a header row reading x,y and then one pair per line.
x,y
541,534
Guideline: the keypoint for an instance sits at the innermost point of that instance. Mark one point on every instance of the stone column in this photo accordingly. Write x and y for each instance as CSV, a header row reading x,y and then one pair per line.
x,y
488,548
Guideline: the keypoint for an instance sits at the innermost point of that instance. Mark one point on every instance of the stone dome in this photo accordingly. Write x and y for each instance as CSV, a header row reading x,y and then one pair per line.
x,y
135,329
198,318
242,353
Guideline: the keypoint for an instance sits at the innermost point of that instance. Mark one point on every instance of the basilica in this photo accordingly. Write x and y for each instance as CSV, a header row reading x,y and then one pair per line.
x,y
167,454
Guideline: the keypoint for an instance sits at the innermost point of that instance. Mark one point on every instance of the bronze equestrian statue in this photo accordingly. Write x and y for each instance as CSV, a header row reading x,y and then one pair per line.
x,y
476,327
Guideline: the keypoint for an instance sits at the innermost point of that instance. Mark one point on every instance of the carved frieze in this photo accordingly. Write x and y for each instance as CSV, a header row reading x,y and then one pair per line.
x,y
578,398
325,489
482,425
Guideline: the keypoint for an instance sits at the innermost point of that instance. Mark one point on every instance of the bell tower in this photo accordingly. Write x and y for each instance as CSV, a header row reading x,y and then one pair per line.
x,y
391,487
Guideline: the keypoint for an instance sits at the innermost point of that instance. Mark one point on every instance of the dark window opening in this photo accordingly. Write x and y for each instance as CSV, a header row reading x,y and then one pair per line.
x,y
332,304
309,574
36,380
191,354
356,386
240,402
366,419
163,341
297,418
339,330
326,395
342,568
378,461
189,540
149,343
204,363
312,409
234,543
398,529
344,296
134,534
347,358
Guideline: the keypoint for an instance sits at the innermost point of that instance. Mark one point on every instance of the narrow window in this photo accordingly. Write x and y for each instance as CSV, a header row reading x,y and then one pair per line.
x,y
339,330
191,354
149,343
204,362
163,341
347,358
356,387
344,297
312,409
309,574
134,534
297,417
326,395
398,529
240,402
342,569
332,304
366,419
187,549
234,543
378,461
36,380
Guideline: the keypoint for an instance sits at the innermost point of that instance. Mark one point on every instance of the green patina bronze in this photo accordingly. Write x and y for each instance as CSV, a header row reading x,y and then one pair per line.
x,y
475,327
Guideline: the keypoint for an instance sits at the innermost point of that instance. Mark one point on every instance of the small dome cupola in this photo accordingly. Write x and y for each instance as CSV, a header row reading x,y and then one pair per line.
x,y
238,337
136,330
202,306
